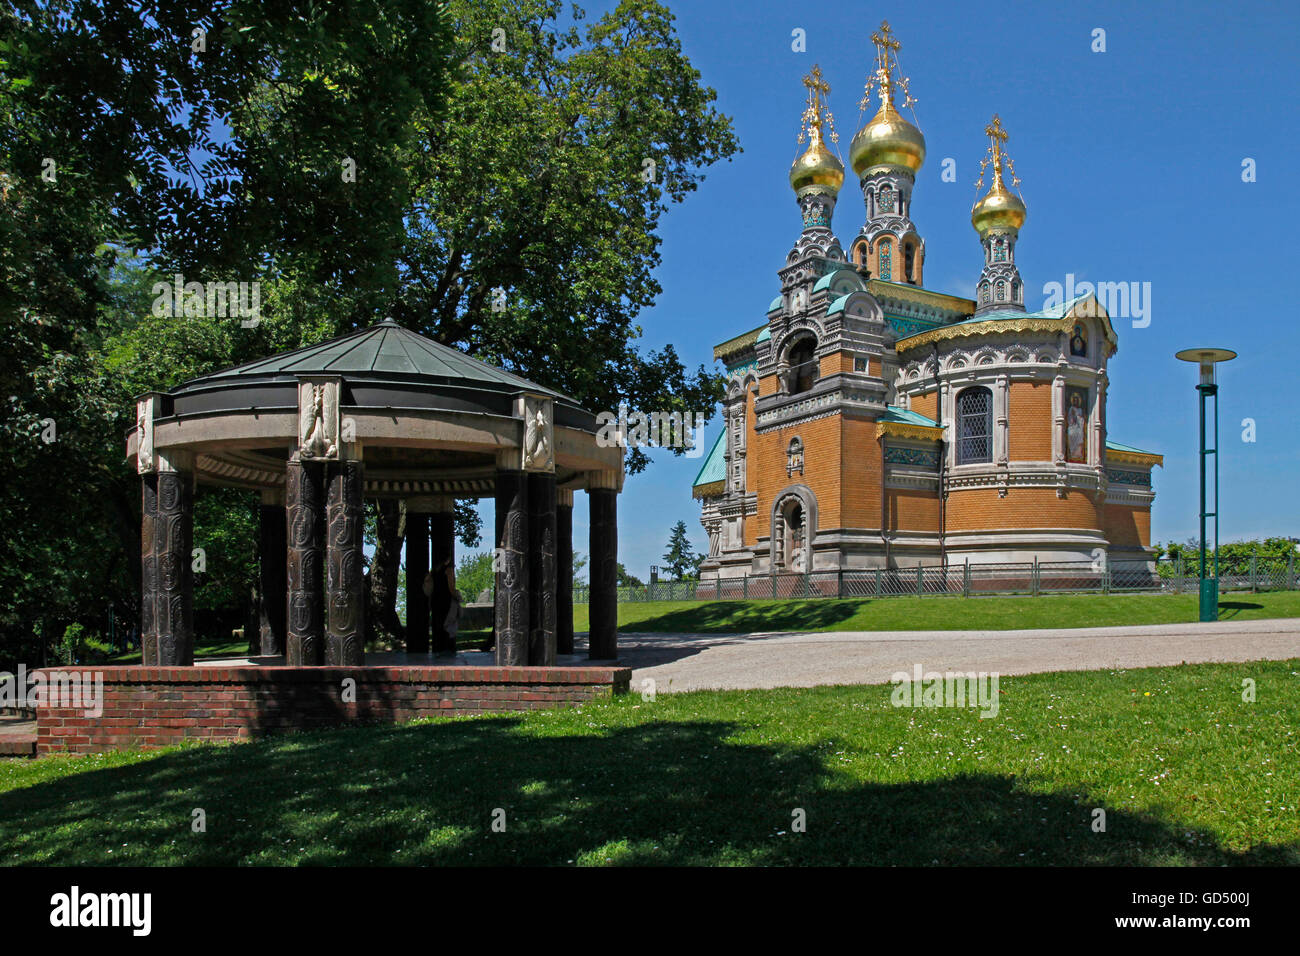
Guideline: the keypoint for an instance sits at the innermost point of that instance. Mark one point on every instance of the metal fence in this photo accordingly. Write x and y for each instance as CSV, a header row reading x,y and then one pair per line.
x,y
965,580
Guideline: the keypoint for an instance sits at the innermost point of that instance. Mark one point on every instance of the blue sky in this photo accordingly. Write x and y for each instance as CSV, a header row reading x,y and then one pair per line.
x,y
1131,162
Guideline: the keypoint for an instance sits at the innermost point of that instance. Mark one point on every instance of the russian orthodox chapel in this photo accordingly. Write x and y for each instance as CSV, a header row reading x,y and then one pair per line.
x,y
873,423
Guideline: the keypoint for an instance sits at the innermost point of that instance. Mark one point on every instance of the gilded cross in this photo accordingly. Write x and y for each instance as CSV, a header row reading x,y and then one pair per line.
x,y
997,136
817,111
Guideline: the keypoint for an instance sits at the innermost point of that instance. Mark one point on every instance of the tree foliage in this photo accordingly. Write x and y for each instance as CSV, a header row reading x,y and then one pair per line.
x,y
226,154
680,558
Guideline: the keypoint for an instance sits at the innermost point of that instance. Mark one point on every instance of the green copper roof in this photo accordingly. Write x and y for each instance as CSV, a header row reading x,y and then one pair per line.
x,y
904,416
776,304
838,304
383,351
1055,312
1116,446
715,465
764,336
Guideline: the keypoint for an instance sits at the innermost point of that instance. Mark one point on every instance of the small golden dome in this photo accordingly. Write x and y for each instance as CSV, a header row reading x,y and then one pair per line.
x,y
817,170
888,140
999,209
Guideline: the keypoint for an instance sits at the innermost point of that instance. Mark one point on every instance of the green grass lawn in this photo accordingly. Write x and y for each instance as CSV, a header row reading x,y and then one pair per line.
x,y
939,613
202,649
1186,771
892,614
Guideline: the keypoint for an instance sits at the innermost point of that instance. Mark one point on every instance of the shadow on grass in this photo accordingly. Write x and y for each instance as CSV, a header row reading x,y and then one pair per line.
x,y
731,617
653,793
1236,607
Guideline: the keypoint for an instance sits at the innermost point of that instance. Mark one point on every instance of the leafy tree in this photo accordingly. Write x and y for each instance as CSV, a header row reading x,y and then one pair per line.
x,y
680,558
521,169
112,141
537,185
626,580
474,574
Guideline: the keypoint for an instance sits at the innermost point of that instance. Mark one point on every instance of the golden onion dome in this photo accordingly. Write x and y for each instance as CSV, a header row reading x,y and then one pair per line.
x,y
999,209
817,170
888,140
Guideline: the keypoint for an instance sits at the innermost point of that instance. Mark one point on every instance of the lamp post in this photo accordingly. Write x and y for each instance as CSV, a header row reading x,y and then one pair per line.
x,y
1207,359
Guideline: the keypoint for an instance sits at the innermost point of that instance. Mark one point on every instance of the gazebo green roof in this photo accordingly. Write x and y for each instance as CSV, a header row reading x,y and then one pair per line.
x,y
383,352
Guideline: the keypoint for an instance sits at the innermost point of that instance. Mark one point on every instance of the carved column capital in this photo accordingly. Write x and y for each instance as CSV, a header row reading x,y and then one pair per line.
x,y
606,480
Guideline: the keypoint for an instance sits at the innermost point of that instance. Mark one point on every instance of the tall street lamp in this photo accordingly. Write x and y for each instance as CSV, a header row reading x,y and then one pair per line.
x,y
1207,359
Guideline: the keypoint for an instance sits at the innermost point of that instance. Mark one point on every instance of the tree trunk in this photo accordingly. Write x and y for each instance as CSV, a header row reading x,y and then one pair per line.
x,y
381,580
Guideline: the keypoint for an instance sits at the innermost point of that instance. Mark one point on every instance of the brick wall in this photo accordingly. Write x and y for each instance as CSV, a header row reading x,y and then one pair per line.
x,y
146,707
926,405
838,362
981,508
912,510
1128,527
821,472
860,470
1029,421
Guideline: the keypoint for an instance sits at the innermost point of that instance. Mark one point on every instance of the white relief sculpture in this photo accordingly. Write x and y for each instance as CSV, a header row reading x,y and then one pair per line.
x,y
537,436
144,429
318,421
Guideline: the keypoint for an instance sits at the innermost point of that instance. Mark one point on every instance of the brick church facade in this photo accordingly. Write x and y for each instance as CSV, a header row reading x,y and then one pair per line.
x,y
873,423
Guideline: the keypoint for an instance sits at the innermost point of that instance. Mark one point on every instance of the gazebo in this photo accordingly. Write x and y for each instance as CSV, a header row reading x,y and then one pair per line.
x,y
379,413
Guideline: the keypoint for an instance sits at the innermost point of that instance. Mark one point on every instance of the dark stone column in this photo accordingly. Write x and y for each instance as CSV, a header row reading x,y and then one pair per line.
x,y
442,536
512,574
417,567
167,541
148,569
272,559
603,638
304,564
345,632
499,519
541,570
564,572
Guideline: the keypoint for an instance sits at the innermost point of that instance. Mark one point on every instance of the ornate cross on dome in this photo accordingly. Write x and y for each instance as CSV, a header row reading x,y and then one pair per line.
x,y
997,137
817,112
887,70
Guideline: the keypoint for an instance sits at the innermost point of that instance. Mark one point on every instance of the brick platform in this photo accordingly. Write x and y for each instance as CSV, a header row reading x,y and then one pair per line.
x,y
146,707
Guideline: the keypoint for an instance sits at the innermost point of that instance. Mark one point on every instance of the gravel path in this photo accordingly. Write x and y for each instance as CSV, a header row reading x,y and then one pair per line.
x,y
679,662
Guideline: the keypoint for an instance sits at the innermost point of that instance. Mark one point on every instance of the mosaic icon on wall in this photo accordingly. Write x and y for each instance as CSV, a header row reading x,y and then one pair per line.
x,y
1079,340
1076,425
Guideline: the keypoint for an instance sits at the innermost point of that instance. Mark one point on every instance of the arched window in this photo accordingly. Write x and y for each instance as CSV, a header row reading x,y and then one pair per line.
x,y
886,267
886,199
909,262
1000,290
984,292
999,250
860,253
974,426
803,365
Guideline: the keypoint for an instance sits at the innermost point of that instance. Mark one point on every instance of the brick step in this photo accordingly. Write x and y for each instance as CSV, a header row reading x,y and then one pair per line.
x,y
18,745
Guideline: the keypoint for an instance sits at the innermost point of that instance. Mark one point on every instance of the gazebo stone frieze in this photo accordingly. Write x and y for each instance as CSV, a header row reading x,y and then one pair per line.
x,y
379,413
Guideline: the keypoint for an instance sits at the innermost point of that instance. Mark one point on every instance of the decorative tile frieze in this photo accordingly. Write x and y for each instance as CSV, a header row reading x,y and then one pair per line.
x,y
1128,477
903,455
